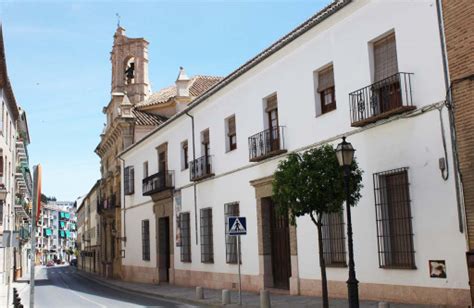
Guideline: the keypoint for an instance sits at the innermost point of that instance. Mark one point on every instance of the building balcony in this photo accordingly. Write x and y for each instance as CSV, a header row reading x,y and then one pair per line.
x,y
380,100
158,182
107,204
200,168
268,143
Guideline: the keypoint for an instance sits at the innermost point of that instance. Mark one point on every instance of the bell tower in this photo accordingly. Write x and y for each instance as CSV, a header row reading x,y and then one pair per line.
x,y
129,59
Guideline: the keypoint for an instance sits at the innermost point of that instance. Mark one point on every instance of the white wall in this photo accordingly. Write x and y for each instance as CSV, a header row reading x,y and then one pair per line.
x,y
416,143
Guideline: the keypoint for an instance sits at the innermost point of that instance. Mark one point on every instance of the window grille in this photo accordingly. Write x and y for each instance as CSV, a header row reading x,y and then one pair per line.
x,y
231,209
129,180
207,243
185,237
333,236
146,240
394,219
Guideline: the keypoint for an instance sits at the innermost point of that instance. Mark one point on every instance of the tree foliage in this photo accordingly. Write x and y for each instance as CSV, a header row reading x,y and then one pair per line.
x,y
312,183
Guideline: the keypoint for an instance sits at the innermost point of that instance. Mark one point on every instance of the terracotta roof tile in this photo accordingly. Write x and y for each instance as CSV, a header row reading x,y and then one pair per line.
x,y
199,85
143,118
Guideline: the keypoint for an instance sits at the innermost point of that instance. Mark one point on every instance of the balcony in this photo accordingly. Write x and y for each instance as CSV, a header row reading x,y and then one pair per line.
x,y
157,182
381,100
106,204
268,143
200,168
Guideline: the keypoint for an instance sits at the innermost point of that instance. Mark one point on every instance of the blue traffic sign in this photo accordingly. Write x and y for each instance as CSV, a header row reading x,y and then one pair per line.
x,y
237,225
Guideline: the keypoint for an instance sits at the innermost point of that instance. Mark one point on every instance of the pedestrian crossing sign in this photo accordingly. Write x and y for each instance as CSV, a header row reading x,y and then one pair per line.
x,y
237,225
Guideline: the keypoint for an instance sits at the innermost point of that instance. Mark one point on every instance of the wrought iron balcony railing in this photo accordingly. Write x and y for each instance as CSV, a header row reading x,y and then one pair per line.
x,y
157,182
380,100
200,168
107,204
268,143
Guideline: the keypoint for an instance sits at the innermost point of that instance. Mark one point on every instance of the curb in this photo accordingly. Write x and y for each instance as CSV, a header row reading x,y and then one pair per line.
x,y
160,296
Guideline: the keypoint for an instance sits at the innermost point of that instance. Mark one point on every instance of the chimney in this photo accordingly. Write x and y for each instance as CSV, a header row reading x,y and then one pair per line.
x,y
182,83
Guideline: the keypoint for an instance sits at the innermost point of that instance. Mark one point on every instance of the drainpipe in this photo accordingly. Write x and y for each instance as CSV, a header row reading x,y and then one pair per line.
x,y
194,183
449,105
124,210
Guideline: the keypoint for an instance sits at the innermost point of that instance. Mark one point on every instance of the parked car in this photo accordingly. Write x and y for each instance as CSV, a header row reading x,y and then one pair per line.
x,y
73,262
50,263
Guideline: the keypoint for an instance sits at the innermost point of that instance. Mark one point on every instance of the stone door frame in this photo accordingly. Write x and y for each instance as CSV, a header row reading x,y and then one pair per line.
x,y
263,189
163,207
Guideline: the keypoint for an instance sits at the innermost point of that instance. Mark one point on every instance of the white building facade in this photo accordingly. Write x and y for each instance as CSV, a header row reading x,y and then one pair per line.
x,y
15,180
368,70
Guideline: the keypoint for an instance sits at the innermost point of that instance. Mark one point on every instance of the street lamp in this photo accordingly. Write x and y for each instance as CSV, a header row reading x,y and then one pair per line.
x,y
345,155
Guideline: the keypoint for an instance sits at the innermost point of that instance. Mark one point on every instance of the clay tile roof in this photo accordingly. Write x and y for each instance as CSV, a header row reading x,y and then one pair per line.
x,y
143,118
199,85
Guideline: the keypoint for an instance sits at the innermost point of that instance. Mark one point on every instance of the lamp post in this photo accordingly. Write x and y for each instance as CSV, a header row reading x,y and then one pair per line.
x,y
345,155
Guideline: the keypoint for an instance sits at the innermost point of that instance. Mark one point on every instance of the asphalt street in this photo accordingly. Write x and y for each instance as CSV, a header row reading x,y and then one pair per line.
x,y
61,286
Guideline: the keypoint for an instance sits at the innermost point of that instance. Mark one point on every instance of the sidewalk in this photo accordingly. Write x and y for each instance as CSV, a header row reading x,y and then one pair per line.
x,y
213,297
22,286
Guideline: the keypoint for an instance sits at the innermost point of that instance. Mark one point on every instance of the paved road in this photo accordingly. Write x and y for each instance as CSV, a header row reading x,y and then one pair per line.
x,y
62,287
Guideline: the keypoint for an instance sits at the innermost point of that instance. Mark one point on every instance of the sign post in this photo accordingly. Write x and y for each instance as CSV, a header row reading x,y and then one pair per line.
x,y
237,227
35,213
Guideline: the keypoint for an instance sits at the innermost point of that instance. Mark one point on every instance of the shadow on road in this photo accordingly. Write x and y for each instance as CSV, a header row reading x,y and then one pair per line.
x,y
49,279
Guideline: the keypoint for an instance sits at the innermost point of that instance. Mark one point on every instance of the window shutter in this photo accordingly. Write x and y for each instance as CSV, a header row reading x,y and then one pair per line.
x,y
272,103
231,126
325,79
131,185
205,137
125,179
385,57
1,165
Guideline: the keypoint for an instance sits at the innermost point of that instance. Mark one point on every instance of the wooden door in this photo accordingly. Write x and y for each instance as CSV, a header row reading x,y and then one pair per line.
x,y
164,248
281,260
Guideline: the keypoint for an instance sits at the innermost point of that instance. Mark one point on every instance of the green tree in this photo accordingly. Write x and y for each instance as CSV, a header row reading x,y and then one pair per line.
x,y
312,183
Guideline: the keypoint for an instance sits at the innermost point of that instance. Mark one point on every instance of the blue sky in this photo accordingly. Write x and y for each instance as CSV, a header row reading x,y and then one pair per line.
x,y
58,61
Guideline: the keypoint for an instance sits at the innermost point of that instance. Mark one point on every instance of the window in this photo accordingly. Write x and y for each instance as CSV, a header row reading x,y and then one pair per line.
x,y
272,134
231,138
145,169
326,90
162,157
146,240
393,215
207,244
185,237
231,209
334,248
184,155
386,89
128,180
205,146
385,57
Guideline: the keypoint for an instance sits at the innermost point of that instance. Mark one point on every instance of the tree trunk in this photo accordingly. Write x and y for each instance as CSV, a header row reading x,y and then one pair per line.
x,y
324,282
322,264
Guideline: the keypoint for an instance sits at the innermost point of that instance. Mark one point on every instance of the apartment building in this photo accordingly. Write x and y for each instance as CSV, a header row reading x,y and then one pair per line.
x,y
15,179
89,229
368,70
56,231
